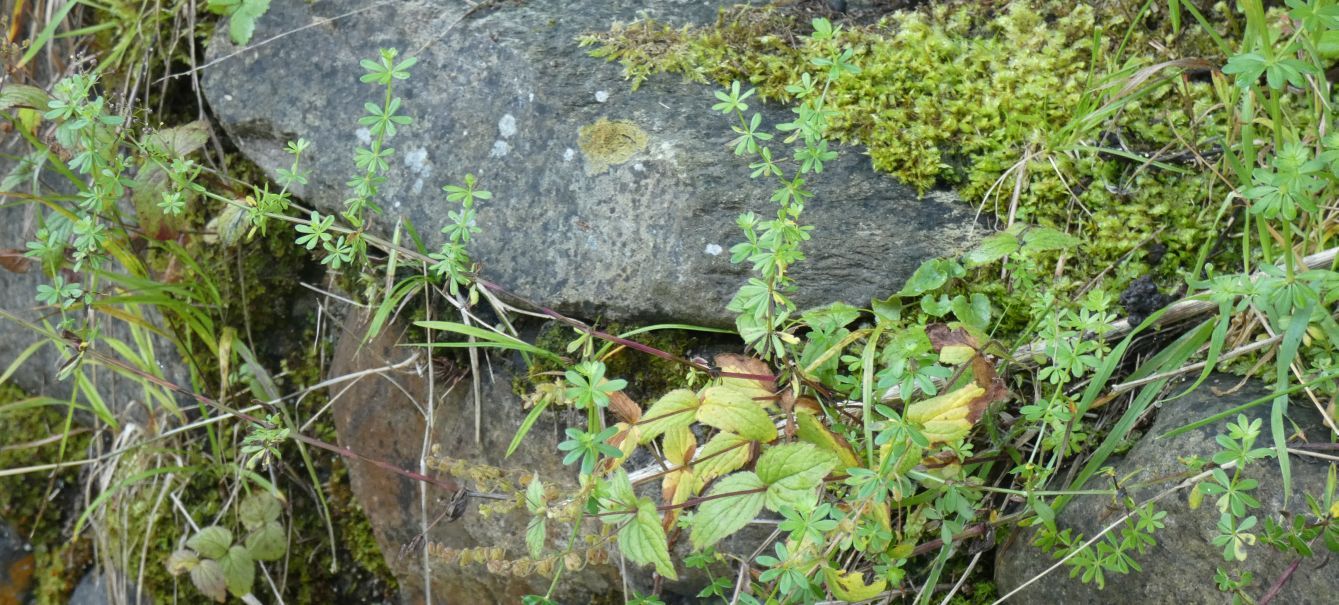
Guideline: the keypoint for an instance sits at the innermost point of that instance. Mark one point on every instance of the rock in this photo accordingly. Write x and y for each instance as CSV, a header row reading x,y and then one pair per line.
x,y
16,566
636,223
38,374
378,417
93,590
1181,567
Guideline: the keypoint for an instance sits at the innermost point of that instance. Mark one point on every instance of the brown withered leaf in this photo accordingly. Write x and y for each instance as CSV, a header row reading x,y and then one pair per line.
x,y
942,336
13,260
624,407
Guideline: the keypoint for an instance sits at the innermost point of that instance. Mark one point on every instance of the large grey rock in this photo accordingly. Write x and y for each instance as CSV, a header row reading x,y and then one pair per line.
x,y
505,93
1180,568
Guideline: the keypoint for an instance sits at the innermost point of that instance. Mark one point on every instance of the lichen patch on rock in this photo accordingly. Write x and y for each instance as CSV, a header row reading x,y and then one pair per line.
x,y
609,142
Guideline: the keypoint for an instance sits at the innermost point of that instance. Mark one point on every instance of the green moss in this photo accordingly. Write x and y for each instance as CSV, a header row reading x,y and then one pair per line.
x,y
40,506
1005,106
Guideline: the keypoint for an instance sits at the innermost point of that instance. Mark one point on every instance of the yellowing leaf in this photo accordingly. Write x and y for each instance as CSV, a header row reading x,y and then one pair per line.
x,y
724,453
730,409
851,587
945,418
676,408
811,429
956,354
643,540
792,472
720,517
678,445
761,392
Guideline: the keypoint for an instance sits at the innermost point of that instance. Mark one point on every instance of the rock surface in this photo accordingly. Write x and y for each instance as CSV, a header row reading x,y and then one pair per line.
x,y
379,417
641,232
38,374
16,566
1181,567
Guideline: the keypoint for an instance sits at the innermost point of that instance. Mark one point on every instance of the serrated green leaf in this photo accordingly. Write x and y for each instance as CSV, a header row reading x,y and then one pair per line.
x,y
719,517
267,543
675,408
729,409
534,495
238,570
211,542
1039,239
792,472
714,463
258,509
535,534
208,578
991,249
643,540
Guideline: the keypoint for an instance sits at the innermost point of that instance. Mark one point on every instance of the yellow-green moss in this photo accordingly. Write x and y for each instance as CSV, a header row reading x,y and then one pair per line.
x,y
609,142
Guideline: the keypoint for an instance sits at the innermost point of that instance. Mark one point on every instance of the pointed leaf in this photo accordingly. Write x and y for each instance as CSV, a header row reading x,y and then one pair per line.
x,y
720,517
792,472
724,453
643,540
810,428
732,410
675,408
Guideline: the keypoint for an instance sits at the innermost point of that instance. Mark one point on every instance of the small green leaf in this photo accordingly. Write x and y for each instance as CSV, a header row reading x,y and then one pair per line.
x,y
239,571
1039,239
208,578
991,249
792,472
643,540
267,543
211,542
535,534
258,509
720,517
729,409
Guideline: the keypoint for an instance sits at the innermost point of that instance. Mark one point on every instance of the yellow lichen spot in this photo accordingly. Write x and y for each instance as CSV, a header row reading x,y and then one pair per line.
x,y
606,143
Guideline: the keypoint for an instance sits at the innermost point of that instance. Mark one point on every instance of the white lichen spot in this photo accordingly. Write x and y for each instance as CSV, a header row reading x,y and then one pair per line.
x,y
227,98
500,149
506,126
364,136
416,189
417,162
532,97
714,249
639,167
601,95
569,154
